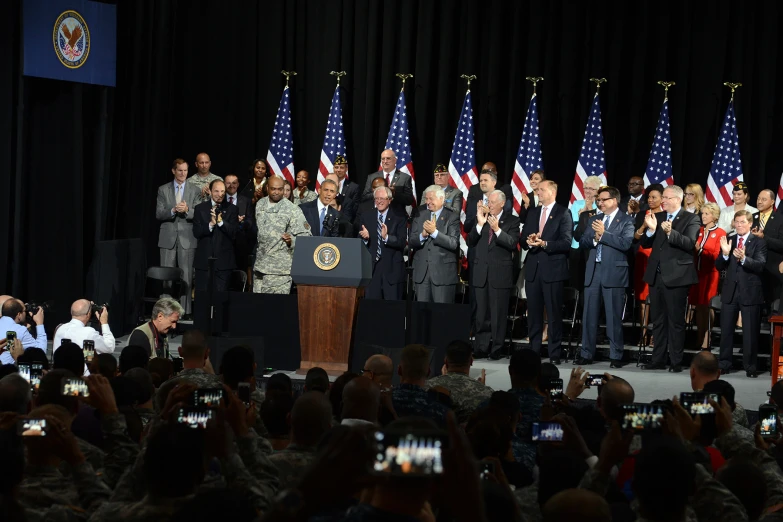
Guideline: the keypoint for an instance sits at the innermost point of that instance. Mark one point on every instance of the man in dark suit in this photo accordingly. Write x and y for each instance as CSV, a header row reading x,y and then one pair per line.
x,y
549,229
384,234
635,192
245,242
768,225
347,191
488,180
369,206
215,226
322,218
494,239
743,258
607,240
670,273
434,239
399,182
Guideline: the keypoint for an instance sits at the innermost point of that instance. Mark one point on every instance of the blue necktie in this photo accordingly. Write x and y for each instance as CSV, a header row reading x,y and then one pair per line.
x,y
669,217
600,246
323,215
380,237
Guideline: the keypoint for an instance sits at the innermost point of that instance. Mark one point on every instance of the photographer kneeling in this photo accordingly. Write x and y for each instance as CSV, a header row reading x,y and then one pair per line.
x,y
77,330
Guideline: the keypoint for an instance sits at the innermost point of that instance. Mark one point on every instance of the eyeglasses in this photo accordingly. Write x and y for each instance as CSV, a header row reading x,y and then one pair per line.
x,y
601,200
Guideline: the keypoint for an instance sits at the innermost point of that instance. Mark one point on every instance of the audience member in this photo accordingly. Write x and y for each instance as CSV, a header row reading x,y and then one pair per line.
x,y
160,369
524,368
104,364
275,413
15,394
14,315
34,356
410,398
316,380
195,361
311,418
153,334
133,356
280,382
361,400
379,369
335,394
704,368
466,393
576,504
69,357
146,390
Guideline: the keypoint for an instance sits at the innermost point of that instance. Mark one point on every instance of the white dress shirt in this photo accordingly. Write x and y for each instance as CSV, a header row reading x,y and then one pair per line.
x,y
7,324
434,235
479,228
744,243
77,332
606,227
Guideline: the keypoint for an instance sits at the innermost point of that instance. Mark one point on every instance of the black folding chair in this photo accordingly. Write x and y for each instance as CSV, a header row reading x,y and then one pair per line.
x,y
715,307
158,276
571,318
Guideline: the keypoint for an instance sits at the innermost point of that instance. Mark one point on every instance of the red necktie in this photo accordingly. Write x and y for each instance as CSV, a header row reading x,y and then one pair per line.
x,y
740,242
491,235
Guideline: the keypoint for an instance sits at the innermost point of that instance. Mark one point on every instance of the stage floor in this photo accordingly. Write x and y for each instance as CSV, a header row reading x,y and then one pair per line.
x,y
649,385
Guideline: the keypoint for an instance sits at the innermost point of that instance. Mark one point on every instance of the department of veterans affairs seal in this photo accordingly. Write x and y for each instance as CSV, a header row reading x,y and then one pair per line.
x,y
71,39
326,256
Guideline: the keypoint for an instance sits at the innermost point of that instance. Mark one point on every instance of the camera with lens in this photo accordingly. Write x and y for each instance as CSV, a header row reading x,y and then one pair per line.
x,y
98,308
32,307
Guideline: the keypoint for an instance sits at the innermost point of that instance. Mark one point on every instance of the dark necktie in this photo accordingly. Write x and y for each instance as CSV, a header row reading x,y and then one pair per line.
x,y
491,235
231,199
380,237
600,247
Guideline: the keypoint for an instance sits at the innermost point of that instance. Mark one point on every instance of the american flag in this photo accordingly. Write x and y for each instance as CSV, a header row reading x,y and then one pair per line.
x,y
529,156
726,169
592,160
780,192
334,140
659,166
399,140
462,165
281,150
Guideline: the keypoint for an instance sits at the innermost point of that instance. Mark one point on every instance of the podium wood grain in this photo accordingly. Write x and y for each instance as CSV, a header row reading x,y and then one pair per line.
x,y
777,333
327,316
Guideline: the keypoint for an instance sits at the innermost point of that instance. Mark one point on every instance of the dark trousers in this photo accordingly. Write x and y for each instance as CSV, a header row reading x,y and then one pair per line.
x,y
491,317
751,322
220,281
541,295
667,313
380,289
613,305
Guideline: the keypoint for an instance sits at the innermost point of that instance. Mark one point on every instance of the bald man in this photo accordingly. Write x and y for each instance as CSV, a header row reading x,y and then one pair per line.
x,y
380,369
77,330
203,177
399,182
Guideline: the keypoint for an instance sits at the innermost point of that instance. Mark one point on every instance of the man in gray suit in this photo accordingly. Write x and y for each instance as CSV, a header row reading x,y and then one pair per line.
x,y
453,195
435,240
174,210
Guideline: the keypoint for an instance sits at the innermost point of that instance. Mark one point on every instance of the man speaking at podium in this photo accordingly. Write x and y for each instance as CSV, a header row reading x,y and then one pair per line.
x,y
435,240
323,219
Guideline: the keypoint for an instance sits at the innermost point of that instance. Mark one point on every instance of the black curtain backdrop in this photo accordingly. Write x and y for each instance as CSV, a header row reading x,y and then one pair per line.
x,y
84,161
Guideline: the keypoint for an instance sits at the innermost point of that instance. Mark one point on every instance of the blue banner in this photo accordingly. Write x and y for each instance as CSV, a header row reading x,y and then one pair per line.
x,y
72,40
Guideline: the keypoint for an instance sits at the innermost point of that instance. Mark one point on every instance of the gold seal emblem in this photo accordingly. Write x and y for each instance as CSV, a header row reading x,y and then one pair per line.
x,y
326,256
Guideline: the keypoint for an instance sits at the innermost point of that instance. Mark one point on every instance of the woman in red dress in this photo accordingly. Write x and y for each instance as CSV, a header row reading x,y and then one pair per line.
x,y
707,250
640,289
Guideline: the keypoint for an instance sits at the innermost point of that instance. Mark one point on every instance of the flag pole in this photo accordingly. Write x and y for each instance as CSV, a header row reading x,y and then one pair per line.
x,y
597,82
733,86
666,86
287,75
534,80
338,74
403,77
469,78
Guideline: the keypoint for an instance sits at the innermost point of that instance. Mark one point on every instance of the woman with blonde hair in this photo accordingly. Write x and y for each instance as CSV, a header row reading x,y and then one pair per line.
x,y
694,198
707,249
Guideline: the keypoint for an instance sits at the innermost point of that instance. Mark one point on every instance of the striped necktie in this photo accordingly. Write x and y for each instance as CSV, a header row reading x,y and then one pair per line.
x,y
380,237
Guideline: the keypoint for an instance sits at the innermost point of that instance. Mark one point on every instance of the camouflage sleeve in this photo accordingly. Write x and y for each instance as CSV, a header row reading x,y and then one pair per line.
x,y
299,226
131,487
254,452
121,451
110,511
238,477
55,514
93,492
732,444
713,502
595,481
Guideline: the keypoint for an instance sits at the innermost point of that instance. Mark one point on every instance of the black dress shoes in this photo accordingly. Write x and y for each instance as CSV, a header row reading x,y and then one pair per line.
x,y
675,368
752,375
617,363
581,361
480,355
653,366
496,355
556,362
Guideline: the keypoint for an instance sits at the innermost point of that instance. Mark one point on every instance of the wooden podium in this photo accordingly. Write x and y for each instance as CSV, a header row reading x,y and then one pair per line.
x,y
777,332
330,275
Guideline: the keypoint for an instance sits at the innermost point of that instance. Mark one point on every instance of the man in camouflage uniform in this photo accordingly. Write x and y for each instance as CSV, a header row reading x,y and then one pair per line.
x,y
203,177
279,223
195,361
466,393
311,418
410,398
